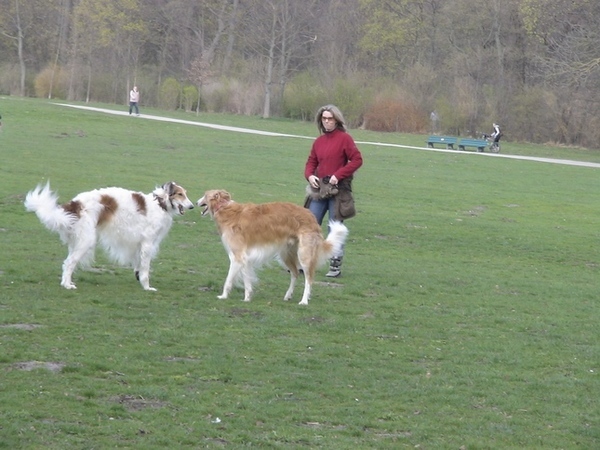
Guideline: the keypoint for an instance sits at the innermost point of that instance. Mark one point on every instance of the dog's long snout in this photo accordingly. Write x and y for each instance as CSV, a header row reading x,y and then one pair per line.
x,y
203,204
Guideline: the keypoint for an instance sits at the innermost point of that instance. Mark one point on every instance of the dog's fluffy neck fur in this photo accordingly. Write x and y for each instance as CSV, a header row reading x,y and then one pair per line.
x,y
220,205
161,199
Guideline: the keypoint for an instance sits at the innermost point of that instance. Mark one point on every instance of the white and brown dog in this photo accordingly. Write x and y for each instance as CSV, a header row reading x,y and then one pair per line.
x,y
254,234
129,225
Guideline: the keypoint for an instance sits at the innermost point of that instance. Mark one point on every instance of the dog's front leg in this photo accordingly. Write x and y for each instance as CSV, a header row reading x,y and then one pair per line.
x,y
225,293
144,277
143,274
234,269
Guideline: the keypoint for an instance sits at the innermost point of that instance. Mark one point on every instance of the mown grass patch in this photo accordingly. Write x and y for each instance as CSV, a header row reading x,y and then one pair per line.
x,y
466,315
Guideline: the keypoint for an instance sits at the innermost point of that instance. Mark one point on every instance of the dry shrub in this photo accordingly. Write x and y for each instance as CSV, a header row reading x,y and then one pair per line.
x,y
302,97
190,98
233,96
393,115
169,94
51,82
249,100
9,78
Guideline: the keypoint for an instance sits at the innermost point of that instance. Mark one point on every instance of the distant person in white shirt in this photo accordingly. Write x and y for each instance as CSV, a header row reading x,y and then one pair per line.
x,y
134,98
497,133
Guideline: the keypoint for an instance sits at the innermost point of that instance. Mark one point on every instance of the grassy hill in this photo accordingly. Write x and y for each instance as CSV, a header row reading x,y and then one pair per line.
x,y
466,316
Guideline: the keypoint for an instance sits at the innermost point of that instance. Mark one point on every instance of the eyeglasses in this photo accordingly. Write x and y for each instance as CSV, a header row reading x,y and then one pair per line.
x,y
324,118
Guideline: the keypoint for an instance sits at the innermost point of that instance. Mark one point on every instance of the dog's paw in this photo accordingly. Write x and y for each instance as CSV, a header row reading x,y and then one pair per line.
x,y
303,303
69,286
222,297
150,288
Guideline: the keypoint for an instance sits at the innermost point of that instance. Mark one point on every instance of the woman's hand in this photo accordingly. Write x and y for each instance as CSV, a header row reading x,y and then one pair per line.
x,y
313,181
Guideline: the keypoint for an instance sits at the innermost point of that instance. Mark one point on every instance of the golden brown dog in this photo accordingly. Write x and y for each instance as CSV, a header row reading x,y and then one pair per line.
x,y
254,234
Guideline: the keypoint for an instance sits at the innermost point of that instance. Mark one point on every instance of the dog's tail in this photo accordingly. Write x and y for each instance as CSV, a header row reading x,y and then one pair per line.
x,y
44,203
336,238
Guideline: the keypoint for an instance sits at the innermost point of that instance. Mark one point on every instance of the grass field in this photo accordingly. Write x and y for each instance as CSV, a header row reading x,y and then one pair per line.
x,y
466,317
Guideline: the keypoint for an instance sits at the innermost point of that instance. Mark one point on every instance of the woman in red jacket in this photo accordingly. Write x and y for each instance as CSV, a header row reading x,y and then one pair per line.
x,y
334,156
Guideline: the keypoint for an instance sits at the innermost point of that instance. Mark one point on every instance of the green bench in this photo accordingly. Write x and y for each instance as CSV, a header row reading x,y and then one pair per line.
x,y
448,141
480,144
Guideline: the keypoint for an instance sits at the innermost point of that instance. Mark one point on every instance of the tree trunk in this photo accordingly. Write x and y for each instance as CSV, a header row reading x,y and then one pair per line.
x,y
20,39
231,39
269,72
89,83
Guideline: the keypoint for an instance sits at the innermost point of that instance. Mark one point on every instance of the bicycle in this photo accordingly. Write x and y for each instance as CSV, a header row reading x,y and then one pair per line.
x,y
494,146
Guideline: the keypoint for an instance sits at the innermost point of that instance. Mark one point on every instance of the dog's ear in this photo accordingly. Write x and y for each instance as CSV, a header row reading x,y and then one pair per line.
x,y
169,187
224,196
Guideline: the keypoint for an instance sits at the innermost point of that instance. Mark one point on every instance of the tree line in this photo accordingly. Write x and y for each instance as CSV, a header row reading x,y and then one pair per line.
x,y
531,65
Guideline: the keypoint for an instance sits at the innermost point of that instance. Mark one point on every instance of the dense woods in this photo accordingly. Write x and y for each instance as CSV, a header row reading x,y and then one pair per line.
x,y
531,65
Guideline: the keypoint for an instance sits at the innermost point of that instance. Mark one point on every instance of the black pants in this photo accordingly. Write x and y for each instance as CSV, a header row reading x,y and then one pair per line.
x,y
132,106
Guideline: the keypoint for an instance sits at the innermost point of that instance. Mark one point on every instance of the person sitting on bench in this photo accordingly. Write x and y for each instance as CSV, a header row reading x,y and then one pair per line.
x,y
496,134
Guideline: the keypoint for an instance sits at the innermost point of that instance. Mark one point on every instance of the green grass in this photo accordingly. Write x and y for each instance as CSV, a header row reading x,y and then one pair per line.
x,y
467,315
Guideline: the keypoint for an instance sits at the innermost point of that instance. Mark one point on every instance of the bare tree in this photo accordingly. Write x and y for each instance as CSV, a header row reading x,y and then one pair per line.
x,y
108,33
198,74
187,30
280,33
64,9
473,60
336,39
234,19
15,26
567,63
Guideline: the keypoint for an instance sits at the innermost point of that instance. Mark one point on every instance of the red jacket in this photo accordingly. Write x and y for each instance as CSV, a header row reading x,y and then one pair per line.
x,y
333,153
